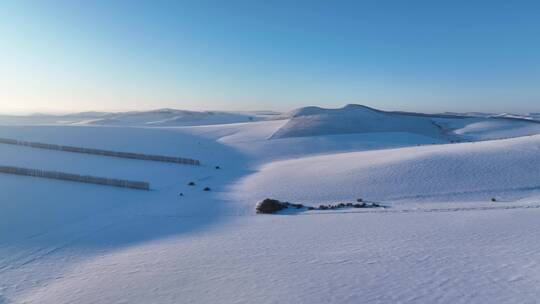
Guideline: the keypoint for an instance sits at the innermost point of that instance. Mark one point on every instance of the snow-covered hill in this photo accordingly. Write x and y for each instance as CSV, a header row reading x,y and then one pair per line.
x,y
169,117
314,121
528,116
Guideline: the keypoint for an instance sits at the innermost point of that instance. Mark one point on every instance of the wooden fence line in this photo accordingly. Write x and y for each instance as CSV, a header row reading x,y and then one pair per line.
x,y
76,177
141,156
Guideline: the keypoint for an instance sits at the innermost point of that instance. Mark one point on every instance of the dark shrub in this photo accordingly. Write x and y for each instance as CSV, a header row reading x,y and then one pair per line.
x,y
191,184
269,206
359,200
206,189
323,207
493,199
218,167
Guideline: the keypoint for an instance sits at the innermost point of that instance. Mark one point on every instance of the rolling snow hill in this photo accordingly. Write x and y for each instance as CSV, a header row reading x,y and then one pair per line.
x,y
455,172
311,121
314,121
161,117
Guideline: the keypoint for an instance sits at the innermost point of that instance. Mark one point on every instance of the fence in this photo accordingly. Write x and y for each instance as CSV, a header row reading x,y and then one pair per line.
x,y
170,159
76,177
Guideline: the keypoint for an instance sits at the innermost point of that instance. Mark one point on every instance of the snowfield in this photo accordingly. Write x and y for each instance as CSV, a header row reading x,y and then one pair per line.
x,y
440,238
454,257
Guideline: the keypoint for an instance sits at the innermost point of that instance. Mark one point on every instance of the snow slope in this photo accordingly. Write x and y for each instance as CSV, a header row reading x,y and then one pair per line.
x,y
465,171
433,257
494,129
48,225
527,116
476,129
254,140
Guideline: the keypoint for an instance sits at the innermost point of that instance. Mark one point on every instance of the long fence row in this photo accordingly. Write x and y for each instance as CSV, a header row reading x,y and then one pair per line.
x,y
170,159
76,177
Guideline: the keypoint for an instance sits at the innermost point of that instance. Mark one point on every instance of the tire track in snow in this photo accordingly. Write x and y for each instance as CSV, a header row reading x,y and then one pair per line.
x,y
41,253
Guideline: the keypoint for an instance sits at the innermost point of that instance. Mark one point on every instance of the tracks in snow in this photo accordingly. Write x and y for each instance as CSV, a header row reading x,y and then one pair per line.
x,y
428,210
40,253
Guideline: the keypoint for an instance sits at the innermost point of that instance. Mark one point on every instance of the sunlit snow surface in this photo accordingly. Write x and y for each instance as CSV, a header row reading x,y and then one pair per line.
x,y
441,239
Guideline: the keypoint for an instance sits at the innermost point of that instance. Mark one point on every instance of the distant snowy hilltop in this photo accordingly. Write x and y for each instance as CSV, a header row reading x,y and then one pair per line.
x,y
155,118
314,121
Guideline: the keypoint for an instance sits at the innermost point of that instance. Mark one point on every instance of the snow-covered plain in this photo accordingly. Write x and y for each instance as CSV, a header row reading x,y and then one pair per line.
x,y
441,239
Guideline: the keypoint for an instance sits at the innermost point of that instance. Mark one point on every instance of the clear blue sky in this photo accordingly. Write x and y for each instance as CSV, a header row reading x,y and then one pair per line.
x,y
230,55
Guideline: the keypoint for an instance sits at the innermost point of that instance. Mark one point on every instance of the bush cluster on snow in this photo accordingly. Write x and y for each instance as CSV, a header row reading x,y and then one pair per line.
x,y
269,206
360,204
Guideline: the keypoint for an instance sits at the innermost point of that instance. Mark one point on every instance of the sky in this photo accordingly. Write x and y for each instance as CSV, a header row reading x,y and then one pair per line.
x,y
113,55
